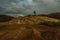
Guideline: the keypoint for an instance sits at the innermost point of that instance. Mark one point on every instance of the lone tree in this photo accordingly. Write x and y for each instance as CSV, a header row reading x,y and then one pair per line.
x,y
34,12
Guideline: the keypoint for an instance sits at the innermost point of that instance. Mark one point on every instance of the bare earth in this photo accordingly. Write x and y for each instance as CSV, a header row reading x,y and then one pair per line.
x,y
29,32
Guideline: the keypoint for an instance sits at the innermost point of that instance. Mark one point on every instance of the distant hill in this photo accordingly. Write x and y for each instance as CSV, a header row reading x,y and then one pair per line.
x,y
53,15
5,18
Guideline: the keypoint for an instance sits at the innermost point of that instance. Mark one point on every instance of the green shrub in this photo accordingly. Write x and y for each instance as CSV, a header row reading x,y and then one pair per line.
x,y
51,23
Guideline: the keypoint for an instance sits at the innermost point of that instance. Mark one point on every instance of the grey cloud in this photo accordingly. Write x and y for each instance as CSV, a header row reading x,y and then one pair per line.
x,y
28,6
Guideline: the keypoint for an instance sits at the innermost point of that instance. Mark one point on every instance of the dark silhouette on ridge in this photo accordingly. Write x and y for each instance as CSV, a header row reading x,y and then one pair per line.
x,y
34,12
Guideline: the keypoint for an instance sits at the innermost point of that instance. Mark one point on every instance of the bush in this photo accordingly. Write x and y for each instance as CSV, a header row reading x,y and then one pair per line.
x,y
51,23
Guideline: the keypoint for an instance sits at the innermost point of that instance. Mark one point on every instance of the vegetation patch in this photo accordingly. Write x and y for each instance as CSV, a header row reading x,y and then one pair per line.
x,y
50,23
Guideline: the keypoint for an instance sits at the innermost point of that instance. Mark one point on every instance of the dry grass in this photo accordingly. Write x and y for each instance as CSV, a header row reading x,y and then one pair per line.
x,y
29,32
27,28
32,20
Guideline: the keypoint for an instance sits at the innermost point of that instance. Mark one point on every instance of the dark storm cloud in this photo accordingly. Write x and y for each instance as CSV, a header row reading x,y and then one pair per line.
x,y
28,6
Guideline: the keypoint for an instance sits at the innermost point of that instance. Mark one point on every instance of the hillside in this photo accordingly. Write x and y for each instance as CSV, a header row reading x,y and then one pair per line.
x,y
33,20
5,18
53,15
30,28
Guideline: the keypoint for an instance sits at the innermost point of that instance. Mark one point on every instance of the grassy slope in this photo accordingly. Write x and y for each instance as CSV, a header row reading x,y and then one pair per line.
x,y
28,32
14,31
33,20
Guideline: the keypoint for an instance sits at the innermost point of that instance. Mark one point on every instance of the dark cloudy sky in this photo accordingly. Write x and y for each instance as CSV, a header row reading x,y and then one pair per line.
x,y
25,7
